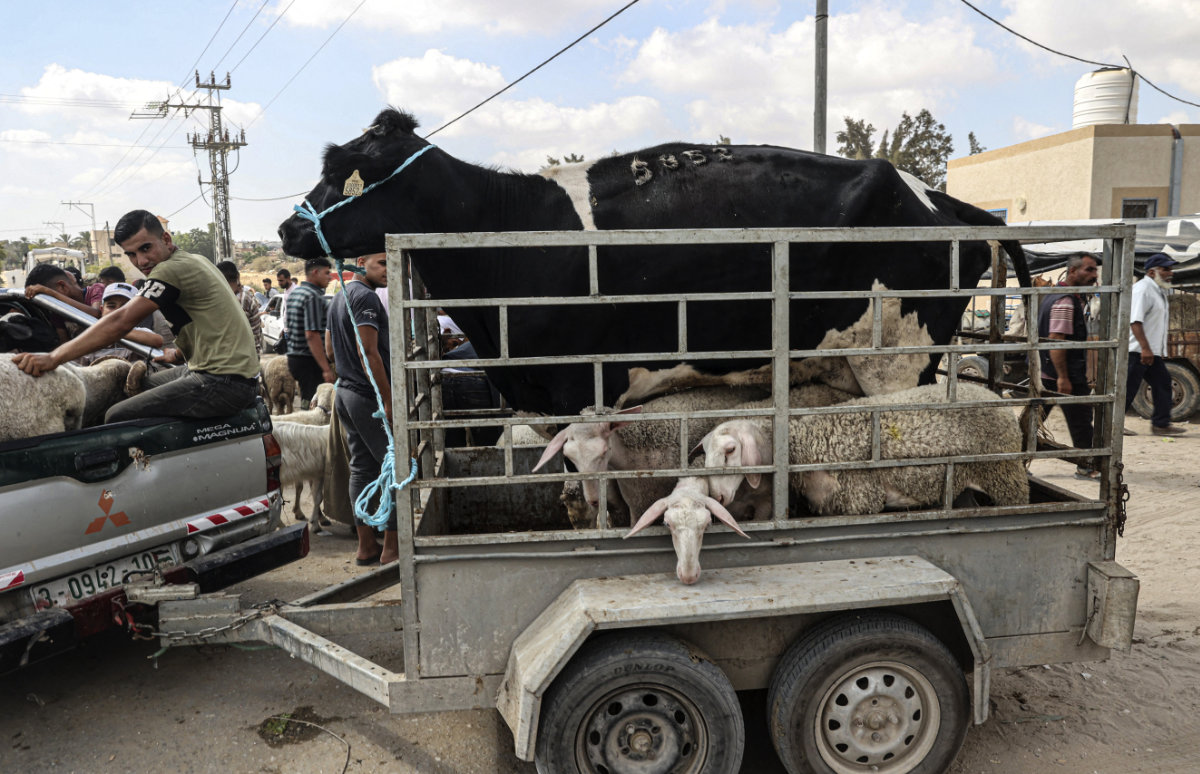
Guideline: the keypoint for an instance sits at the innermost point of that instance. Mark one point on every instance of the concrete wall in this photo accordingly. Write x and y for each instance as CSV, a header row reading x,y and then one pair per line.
x,y
1082,173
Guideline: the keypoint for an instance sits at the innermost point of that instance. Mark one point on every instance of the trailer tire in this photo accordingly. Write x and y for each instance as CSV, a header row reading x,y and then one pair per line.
x,y
640,702
974,366
870,692
1185,394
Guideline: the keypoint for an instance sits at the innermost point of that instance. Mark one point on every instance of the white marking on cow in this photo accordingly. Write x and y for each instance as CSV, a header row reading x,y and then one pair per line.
x,y
723,153
572,178
669,162
641,171
918,187
880,374
694,156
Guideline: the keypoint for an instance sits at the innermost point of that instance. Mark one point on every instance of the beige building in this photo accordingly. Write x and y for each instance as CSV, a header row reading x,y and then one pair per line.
x,y
1099,171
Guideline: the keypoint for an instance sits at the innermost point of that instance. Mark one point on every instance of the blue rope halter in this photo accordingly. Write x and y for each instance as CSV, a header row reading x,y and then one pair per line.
x,y
387,473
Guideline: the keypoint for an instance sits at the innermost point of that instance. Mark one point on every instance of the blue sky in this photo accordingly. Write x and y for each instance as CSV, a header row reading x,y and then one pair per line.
x,y
72,72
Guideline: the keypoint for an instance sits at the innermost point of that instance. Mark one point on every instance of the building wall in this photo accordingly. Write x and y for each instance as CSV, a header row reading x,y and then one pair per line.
x,y
1050,176
1082,173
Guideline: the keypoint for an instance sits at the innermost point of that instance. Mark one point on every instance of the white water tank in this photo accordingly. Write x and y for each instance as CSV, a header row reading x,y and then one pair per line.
x,y
1107,96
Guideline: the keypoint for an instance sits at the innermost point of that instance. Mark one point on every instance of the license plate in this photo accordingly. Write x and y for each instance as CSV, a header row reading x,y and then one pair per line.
x,y
66,591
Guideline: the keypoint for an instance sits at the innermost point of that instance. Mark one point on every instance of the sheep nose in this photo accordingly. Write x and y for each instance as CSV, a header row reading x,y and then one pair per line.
x,y
688,578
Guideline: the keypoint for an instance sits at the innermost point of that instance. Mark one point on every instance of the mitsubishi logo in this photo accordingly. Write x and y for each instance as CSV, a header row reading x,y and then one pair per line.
x,y
119,519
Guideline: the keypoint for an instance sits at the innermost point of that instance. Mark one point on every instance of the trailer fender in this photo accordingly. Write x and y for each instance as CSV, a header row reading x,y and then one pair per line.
x,y
595,604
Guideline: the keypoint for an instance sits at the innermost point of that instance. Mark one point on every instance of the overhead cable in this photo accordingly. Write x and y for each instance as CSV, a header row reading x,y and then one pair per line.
x,y
540,66
1056,52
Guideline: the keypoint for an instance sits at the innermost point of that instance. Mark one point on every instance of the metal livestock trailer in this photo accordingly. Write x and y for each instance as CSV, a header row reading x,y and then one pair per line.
x,y
864,629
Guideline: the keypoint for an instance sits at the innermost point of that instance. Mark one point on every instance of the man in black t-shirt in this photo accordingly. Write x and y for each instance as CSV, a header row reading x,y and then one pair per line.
x,y
356,402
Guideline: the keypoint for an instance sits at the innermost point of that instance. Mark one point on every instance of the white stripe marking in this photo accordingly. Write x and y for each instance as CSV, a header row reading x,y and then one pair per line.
x,y
918,187
572,178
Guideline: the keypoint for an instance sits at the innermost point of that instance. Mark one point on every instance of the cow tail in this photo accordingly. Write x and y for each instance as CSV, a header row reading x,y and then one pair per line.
x,y
973,216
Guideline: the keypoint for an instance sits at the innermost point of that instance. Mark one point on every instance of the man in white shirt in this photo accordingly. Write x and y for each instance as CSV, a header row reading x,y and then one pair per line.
x,y
1148,315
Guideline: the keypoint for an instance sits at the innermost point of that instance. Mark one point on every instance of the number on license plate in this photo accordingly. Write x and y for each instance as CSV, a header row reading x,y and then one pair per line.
x,y
65,591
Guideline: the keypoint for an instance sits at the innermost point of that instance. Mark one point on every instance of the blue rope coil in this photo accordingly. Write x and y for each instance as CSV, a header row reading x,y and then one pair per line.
x,y
386,483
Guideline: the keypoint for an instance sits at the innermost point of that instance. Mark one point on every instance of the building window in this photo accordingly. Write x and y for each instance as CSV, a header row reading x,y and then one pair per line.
x,y
1002,214
1139,208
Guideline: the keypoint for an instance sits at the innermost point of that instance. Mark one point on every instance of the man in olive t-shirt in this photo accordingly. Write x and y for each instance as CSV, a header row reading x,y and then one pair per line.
x,y
210,330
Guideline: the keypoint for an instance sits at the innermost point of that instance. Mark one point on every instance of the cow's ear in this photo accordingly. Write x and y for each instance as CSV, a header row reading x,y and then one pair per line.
x,y
393,120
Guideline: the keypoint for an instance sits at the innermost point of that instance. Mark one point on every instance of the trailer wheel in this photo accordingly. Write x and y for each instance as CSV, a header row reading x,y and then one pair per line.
x,y
1185,394
974,366
641,702
875,693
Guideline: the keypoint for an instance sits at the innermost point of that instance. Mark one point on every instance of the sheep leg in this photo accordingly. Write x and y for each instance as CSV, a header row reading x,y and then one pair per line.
x,y
297,511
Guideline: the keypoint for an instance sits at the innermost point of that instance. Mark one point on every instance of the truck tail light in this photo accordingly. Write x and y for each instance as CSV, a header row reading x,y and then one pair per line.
x,y
274,461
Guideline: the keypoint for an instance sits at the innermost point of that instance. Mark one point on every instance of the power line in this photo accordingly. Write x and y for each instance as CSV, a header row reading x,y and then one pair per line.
x,y
306,62
217,66
270,199
1056,52
184,207
260,37
188,74
534,70
63,142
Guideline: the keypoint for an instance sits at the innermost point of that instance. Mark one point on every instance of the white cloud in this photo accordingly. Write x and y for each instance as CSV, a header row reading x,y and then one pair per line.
x,y
529,129
756,85
437,84
1158,36
1025,129
427,16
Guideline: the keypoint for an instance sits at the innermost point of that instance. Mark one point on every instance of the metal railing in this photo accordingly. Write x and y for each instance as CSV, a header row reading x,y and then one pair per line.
x,y
420,430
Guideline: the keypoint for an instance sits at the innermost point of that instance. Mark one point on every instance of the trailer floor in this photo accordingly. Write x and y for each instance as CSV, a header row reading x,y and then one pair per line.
x,y
106,708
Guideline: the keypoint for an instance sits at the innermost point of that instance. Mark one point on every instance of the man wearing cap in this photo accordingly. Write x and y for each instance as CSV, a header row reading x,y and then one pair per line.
x,y
1148,343
211,332
115,296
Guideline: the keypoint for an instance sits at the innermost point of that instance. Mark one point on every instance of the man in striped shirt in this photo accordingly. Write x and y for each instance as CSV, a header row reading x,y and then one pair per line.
x,y
1062,318
306,329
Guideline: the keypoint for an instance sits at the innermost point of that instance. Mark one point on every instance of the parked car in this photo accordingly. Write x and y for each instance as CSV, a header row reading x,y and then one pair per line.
x,y
273,322
178,506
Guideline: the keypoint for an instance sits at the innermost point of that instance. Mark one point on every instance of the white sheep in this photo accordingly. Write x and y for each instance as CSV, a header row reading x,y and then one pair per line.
x,y
104,382
912,434
321,407
279,386
687,511
594,447
51,403
304,457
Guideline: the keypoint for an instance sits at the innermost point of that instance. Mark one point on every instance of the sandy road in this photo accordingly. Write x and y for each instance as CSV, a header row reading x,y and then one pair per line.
x,y
108,708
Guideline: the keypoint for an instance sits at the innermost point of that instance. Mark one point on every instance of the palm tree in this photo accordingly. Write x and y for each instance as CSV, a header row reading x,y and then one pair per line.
x,y
41,242
83,241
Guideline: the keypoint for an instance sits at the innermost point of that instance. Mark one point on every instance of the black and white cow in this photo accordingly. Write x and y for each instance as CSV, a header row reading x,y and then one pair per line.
x,y
676,185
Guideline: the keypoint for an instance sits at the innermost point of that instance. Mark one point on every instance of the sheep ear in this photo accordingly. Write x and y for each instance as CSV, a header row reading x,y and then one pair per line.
x,y
635,410
700,446
649,517
718,510
552,448
750,456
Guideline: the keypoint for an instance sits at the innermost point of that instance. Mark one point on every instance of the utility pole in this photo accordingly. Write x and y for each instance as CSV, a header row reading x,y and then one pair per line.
x,y
92,252
218,142
822,75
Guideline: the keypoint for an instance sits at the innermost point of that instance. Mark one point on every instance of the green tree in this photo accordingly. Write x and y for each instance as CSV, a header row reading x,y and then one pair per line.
x,y
83,241
41,242
973,144
570,158
918,145
64,238
198,241
855,141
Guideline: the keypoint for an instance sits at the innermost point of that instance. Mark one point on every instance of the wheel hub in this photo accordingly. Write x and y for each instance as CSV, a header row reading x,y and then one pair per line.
x,y
642,730
878,717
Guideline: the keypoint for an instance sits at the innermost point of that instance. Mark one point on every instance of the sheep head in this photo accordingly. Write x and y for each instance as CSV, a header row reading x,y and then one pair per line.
x,y
734,443
687,512
589,446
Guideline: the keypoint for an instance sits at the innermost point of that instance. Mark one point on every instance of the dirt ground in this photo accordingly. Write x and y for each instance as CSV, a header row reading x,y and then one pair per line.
x,y
112,707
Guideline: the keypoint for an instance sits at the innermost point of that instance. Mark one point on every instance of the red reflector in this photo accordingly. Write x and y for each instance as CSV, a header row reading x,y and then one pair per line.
x,y
274,460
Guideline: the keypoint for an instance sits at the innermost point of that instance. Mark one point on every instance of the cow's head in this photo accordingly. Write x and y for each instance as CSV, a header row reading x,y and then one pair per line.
x,y
358,228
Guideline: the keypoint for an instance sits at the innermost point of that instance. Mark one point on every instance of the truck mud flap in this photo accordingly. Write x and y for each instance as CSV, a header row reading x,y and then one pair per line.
x,y
35,637
228,566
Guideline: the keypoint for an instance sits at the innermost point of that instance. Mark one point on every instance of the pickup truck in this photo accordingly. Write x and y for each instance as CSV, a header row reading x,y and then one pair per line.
x,y
180,506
